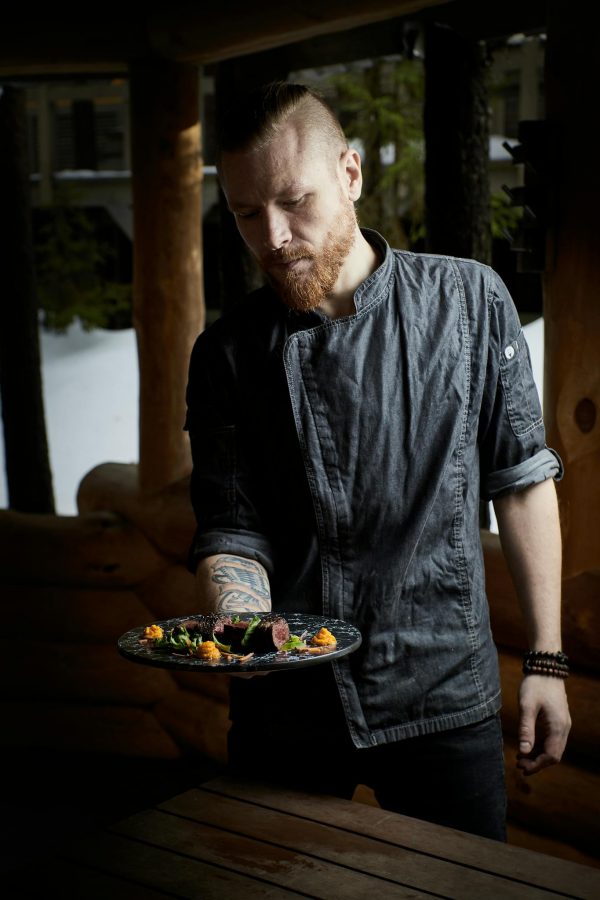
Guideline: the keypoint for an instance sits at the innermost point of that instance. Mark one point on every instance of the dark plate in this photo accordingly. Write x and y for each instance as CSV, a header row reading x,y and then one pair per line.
x,y
348,640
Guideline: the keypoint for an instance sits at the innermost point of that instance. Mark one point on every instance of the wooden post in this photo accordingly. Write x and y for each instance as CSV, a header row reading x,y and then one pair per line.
x,y
26,446
457,193
572,280
167,288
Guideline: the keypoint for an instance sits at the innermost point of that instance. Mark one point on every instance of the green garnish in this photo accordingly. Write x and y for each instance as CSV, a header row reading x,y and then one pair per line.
x,y
253,625
220,646
294,643
178,638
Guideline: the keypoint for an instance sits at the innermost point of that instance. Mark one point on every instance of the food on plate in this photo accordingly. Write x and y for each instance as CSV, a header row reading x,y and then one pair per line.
x,y
235,638
268,634
323,638
208,650
152,632
204,626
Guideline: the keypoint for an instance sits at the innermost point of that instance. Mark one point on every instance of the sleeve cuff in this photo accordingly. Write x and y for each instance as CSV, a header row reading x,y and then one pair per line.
x,y
544,464
235,543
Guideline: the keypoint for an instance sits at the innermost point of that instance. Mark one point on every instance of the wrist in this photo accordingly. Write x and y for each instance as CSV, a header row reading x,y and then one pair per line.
x,y
553,663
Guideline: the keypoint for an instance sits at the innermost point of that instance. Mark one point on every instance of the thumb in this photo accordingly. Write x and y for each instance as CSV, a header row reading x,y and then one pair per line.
x,y
526,731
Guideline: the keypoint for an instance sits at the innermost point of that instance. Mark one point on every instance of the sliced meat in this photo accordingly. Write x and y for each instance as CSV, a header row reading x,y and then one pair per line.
x,y
232,635
206,626
272,632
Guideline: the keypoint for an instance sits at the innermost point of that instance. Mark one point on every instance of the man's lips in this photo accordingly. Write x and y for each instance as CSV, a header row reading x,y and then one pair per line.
x,y
286,263
280,269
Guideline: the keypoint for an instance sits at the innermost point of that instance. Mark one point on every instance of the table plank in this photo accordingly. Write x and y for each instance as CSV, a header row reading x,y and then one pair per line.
x,y
374,856
134,867
516,863
307,875
70,881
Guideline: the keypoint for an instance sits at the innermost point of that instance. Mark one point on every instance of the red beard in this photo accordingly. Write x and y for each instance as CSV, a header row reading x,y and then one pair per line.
x,y
303,289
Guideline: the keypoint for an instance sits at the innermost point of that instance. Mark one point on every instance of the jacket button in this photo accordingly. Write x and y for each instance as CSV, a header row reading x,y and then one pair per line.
x,y
509,352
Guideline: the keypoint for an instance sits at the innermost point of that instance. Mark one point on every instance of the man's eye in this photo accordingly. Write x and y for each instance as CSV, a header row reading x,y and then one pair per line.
x,y
294,201
246,215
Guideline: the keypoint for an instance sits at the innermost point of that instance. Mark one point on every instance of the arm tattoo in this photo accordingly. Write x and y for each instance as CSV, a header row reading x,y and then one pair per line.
x,y
241,584
233,570
238,601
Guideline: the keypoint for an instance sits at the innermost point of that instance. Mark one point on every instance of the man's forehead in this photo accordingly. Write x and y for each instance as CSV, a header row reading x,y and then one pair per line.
x,y
288,145
288,164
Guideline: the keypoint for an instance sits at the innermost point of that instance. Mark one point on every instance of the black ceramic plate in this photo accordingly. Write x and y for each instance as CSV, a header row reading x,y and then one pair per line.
x,y
348,639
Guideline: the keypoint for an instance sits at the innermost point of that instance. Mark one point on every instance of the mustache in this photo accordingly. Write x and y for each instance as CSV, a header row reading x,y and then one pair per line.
x,y
287,255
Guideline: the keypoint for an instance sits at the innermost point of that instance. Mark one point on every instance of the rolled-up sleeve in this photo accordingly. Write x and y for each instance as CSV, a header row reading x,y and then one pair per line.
x,y
512,437
222,489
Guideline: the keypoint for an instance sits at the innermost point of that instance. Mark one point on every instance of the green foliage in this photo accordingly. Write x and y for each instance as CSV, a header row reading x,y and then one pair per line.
x,y
505,218
71,265
380,106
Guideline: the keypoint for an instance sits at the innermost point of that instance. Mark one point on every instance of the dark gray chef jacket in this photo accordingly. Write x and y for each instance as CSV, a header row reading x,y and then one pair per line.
x,y
349,456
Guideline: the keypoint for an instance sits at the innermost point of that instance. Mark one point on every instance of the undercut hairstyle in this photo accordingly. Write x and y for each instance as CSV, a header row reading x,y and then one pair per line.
x,y
255,118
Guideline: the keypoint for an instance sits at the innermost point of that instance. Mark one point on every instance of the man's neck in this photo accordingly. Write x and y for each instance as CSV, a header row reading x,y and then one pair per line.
x,y
362,261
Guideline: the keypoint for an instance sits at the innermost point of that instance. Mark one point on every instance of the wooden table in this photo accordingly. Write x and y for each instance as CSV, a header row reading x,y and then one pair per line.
x,y
232,838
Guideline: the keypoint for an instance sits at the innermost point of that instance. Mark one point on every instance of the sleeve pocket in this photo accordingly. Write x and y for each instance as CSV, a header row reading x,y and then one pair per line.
x,y
520,393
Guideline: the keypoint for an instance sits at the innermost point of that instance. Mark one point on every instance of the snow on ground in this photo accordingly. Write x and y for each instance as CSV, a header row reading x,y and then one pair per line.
x,y
91,395
90,382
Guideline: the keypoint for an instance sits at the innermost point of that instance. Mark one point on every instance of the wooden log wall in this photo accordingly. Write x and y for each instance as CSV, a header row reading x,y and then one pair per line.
x,y
80,582
75,584
562,802
571,307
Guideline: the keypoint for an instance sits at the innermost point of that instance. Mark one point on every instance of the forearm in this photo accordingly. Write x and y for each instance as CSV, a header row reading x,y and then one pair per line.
x,y
529,528
232,584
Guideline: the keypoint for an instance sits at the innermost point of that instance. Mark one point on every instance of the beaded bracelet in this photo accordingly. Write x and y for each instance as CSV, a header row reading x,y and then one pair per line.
x,y
544,662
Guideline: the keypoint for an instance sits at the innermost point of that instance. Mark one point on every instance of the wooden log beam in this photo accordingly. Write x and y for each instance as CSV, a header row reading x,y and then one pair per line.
x,y
532,840
95,550
70,614
62,45
571,305
237,28
209,685
561,801
197,722
171,593
81,728
580,609
167,281
165,517
180,32
89,673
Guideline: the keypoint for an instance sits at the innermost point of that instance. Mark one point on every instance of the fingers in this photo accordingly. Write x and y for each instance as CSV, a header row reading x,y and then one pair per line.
x,y
529,765
544,724
540,758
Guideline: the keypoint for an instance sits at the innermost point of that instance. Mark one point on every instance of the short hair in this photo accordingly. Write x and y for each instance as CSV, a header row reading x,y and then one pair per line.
x,y
254,118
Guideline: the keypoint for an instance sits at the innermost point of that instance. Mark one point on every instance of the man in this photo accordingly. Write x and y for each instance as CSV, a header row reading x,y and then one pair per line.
x,y
345,420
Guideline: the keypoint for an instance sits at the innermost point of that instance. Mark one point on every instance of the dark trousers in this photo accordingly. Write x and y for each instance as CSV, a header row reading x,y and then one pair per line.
x,y
454,778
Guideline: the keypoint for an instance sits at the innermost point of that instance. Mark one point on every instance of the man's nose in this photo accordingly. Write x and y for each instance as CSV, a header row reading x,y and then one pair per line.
x,y
277,231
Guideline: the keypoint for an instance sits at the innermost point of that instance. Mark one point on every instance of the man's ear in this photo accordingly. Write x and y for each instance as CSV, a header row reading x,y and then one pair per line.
x,y
351,173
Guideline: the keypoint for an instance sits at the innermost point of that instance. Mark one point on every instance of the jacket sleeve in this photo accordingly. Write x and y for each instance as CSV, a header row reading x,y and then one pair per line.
x,y
512,438
222,488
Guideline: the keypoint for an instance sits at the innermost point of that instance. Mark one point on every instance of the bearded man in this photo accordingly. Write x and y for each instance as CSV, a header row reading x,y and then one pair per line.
x,y
345,421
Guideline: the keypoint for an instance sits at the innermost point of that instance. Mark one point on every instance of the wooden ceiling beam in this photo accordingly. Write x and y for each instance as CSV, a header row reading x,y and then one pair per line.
x,y
240,28
60,44
315,33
